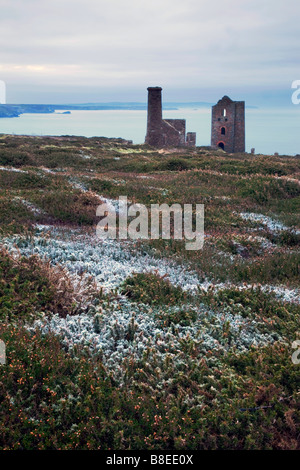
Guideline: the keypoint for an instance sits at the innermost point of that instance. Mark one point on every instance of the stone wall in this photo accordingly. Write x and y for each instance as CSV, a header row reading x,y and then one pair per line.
x,y
174,131
239,133
191,139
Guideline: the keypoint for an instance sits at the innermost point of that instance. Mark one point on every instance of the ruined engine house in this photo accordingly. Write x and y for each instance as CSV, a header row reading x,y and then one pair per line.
x,y
228,125
165,132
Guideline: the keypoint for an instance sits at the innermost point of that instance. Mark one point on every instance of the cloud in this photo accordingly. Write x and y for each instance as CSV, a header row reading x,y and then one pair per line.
x,y
195,43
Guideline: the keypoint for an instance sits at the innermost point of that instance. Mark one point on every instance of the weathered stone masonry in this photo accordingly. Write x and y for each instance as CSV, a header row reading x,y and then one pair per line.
x,y
165,132
228,125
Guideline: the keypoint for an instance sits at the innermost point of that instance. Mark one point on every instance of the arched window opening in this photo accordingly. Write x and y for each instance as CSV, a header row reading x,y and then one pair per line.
x,y
223,130
224,112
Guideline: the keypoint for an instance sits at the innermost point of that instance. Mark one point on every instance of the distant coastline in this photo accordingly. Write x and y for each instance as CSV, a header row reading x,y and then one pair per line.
x,y
15,110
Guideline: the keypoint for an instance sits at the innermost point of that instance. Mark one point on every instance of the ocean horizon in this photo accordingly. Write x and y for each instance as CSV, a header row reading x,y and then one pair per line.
x,y
268,130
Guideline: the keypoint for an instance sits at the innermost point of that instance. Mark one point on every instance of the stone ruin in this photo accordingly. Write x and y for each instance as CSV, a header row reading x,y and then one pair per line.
x,y
165,132
228,125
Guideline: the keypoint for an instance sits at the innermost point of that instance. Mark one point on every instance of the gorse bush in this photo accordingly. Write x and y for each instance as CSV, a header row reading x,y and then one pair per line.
x,y
100,185
264,190
68,206
24,288
14,216
166,368
30,286
46,396
182,316
51,399
284,238
271,313
15,158
240,246
174,164
277,267
59,158
21,181
152,288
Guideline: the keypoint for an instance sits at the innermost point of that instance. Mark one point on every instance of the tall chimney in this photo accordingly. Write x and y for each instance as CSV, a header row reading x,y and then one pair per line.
x,y
154,119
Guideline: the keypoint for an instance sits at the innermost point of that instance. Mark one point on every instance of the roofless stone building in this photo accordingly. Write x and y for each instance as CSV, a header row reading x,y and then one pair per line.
x,y
228,125
165,132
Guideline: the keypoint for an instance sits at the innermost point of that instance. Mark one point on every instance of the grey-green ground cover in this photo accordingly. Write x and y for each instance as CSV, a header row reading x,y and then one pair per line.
x,y
122,344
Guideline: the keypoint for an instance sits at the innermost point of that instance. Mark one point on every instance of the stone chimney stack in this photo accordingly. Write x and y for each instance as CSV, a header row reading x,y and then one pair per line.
x,y
154,119
165,132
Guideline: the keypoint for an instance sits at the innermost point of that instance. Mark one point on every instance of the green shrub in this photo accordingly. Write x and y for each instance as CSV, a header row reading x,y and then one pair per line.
x,y
67,206
14,158
277,267
151,289
264,190
29,286
53,400
14,216
271,313
183,317
174,164
14,180
50,400
284,238
24,287
100,186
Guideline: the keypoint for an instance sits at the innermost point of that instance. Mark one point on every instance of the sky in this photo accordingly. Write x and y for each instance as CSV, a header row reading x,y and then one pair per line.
x,y
78,51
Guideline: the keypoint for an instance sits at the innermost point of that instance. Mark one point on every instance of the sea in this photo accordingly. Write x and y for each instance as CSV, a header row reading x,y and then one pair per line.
x,y
268,130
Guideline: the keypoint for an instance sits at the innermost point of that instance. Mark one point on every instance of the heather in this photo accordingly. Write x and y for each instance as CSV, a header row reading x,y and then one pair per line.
x,y
122,344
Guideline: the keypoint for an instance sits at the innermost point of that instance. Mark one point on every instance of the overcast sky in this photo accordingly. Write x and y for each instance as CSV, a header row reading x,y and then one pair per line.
x,y
110,50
